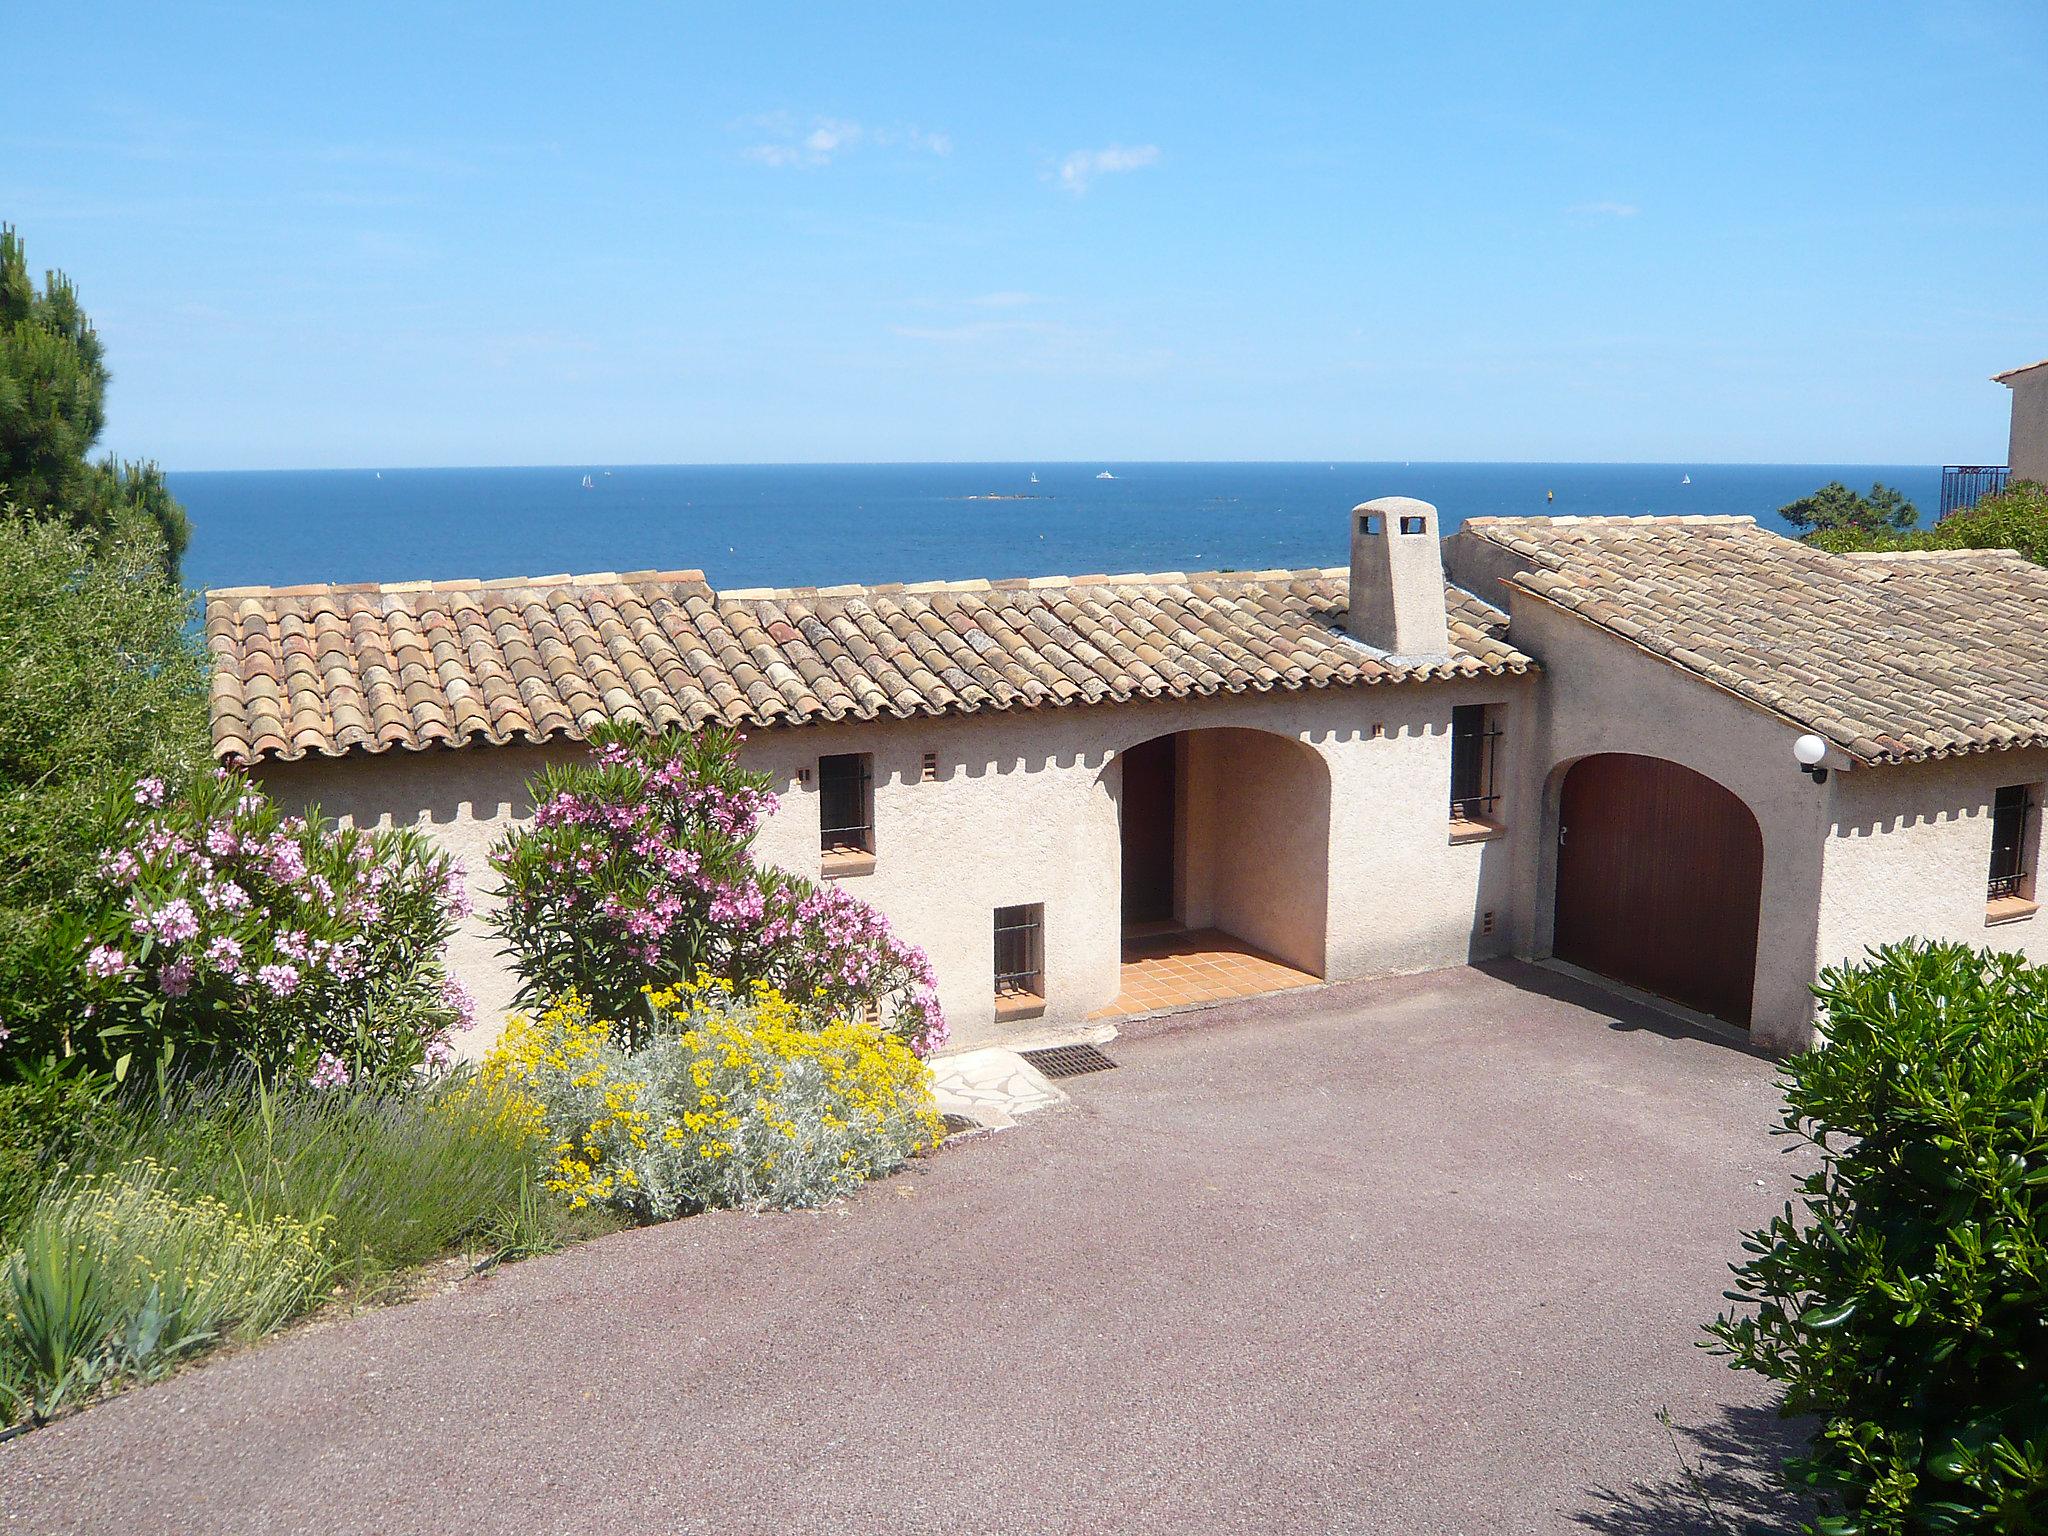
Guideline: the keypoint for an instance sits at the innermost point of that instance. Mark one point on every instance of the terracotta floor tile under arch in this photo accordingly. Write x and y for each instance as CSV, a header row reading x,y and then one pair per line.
x,y
1183,968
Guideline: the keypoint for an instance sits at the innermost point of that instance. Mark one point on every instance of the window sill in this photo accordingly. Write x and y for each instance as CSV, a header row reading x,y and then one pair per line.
x,y
2009,909
1465,830
842,864
1018,1005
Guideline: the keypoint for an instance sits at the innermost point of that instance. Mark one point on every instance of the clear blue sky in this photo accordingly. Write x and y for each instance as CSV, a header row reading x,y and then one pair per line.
x,y
421,234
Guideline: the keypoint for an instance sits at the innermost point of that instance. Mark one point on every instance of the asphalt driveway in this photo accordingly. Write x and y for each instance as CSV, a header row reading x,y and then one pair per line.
x,y
1410,1256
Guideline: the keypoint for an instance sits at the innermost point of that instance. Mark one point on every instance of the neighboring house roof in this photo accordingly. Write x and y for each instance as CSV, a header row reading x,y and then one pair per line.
x,y
2012,373
1892,657
334,669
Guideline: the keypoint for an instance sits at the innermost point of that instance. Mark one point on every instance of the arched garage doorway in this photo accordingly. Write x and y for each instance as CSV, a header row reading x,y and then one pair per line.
x,y
1659,881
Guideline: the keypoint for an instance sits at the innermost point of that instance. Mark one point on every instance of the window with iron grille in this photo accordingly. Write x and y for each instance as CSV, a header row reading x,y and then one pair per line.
x,y
1020,951
846,803
1475,750
2012,810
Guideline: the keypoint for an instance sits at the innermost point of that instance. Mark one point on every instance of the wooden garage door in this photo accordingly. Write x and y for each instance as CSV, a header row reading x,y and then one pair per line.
x,y
1659,882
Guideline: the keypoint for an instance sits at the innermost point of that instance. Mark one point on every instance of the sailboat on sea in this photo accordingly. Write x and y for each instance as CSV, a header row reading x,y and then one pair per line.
x,y
589,484
1105,475
1034,477
1686,480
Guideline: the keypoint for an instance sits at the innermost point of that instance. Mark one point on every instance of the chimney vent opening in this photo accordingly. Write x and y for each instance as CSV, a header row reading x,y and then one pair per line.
x,y
1415,525
1369,522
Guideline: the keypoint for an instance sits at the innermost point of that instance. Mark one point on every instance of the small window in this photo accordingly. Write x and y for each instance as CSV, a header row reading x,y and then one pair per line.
x,y
846,811
929,773
1020,961
2010,890
1475,770
1415,525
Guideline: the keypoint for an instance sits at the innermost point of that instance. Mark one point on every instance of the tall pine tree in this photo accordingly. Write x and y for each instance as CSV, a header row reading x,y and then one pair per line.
x,y
53,386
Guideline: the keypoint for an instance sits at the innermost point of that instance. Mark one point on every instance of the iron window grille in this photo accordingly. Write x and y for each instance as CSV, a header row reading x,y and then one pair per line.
x,y
846,803
1020,951
1475,748
2011,808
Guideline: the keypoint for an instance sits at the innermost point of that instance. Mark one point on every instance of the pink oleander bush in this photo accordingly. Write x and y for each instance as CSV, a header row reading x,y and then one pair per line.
x,y
637,874
229,932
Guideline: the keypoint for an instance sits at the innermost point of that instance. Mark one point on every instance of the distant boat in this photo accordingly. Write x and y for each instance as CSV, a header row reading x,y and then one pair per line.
x,y
1034,477
1686,481
589,484
1105,475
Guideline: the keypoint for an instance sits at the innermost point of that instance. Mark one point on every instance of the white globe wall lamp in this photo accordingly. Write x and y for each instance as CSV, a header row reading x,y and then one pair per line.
x,y
1809,750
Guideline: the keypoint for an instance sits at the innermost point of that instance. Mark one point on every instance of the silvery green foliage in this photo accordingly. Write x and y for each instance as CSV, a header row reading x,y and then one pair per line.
x,y
727,1104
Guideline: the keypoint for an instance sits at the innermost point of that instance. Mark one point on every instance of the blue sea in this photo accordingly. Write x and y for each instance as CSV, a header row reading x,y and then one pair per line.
x,y
805,525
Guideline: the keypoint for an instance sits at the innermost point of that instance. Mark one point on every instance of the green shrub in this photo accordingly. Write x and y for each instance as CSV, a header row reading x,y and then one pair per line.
x,y
52,1115
221,1209
388,1178
726,1104
119,1275
1906,1302
101,683
2016,518
1835,508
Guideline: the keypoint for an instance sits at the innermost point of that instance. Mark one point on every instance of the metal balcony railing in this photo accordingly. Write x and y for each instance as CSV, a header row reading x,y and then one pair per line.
x,y
1963,485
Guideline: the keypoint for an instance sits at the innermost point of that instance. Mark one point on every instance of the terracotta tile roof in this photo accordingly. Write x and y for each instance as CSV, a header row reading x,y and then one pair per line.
x,y
1892,657
333,669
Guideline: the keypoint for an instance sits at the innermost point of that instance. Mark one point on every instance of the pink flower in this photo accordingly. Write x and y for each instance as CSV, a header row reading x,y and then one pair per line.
x,y
223,896
283,859
175,979
172,923
224,953
107,963
329,1072
440,1055
149,791
457,999
281,980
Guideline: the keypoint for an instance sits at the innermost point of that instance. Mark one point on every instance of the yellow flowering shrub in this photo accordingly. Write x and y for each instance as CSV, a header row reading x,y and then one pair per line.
x,y
734,1100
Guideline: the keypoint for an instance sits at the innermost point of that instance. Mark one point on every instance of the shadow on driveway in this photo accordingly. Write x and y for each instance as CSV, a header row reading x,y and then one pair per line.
x,y
1724,1482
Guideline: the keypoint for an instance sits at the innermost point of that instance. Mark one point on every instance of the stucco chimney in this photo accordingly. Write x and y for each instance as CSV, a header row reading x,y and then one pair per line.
x,y
1397,578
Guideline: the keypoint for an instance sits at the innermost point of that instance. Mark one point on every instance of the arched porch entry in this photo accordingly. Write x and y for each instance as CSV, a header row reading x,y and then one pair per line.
x,y
1659,881
1223,856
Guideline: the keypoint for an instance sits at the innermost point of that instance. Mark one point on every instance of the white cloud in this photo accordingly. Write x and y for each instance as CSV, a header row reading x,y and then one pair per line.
x,y
1605,210
1084,165
973,330
788,142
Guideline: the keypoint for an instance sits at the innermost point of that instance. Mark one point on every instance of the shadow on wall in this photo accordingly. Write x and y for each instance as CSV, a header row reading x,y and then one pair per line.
x,y
1723,1481
974,761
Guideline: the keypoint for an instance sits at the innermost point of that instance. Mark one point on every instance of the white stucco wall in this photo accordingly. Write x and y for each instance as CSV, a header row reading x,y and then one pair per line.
x,y
2027,451
1909,849
1024,809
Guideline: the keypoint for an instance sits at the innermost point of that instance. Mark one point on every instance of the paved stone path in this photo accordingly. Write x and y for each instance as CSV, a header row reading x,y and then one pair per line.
x,y
1416,1256
991,1087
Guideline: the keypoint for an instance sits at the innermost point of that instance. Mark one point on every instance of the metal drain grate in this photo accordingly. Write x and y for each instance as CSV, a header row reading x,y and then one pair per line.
x,y
1069,1060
